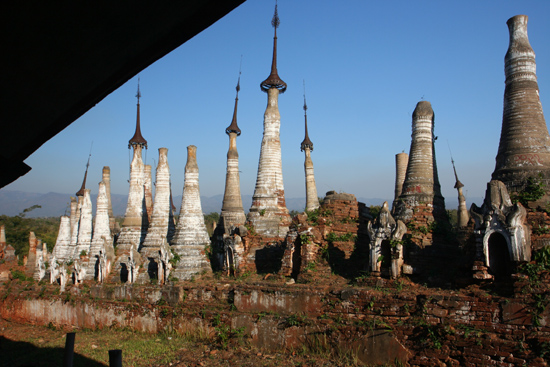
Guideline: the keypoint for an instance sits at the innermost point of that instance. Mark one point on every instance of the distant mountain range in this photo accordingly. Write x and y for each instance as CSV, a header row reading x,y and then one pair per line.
x,y
54,204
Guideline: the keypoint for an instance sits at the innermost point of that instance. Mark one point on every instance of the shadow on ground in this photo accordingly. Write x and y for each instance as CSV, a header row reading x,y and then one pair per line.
x,y
23,354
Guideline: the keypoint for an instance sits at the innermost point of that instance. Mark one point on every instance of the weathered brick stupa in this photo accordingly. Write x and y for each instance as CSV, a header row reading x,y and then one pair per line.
x,y
524,149
312,200
135,222
268,213
161,228
191,237
401,162
421,193
232,209
102,241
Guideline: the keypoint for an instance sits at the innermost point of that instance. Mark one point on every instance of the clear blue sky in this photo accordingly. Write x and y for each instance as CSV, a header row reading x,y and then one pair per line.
x,y
366,64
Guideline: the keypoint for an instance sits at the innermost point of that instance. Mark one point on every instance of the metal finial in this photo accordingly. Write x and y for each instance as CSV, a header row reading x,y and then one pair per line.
x,y
238,88
458,184
305,105
306,143
83,187
137,139
273,80
275,21
138,95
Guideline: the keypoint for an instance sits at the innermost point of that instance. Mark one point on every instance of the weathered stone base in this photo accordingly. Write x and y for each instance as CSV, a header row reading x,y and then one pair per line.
x,y
192,261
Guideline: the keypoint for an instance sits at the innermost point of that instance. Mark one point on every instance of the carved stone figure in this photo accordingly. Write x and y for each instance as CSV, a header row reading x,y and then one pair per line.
x,y
386,228
54,269
79,272
62,277
41,269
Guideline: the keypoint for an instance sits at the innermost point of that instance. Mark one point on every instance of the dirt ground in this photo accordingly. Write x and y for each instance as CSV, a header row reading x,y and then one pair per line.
x,y
29,345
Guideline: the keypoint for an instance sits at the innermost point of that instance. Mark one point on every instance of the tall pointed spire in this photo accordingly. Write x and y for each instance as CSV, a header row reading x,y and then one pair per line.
x,y
137,139
233,127
83,187
312,201
232,208
273,80
268,214
306,142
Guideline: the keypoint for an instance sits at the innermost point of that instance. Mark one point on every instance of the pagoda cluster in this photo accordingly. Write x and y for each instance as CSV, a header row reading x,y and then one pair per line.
x,y
150,244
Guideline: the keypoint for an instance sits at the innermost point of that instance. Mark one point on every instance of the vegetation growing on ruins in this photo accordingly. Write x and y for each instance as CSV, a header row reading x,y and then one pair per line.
x,y
19,226
533,191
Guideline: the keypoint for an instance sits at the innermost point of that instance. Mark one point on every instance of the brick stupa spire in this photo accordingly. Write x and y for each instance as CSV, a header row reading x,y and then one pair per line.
x,y
312,201
524,148
268,213
232,209
421,192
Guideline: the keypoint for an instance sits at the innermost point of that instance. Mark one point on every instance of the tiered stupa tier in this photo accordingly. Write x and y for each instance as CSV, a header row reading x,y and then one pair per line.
x,y
268,213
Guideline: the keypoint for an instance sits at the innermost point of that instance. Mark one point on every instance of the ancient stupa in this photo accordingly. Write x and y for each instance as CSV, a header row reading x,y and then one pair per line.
x,y
135,221
102,241
462,213
524,148
106,179
312,201
191,237
161,228
268,213
62,249
421,192
85,225
232,210
401,162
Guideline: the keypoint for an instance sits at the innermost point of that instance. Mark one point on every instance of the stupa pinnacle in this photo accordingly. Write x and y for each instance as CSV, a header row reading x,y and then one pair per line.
x,y
268,213
273,80
137,139
524,149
